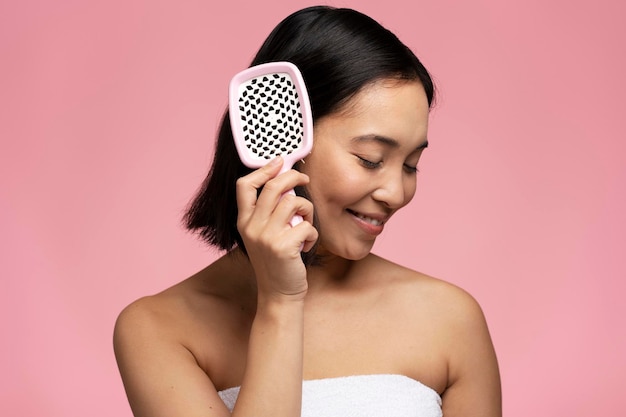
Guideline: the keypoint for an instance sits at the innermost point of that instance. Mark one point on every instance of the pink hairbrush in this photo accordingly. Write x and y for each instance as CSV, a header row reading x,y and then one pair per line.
x,y
270,115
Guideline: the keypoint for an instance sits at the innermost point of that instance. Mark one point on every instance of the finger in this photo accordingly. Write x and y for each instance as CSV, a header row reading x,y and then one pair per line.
x,y
303,237
276,189
247,187
291,205
307,234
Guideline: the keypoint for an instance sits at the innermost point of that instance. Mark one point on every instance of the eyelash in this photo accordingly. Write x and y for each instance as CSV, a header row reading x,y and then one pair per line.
x,y
368,164
412,170
373,165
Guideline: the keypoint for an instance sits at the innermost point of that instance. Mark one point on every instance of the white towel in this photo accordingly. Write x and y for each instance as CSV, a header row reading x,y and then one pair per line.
x,y
362,396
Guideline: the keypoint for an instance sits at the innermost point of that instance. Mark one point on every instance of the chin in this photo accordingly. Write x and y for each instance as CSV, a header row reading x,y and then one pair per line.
x,y
354,252
357,257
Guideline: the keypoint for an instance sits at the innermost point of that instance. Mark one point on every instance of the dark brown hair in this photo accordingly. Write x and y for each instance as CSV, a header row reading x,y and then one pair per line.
x,y
338,52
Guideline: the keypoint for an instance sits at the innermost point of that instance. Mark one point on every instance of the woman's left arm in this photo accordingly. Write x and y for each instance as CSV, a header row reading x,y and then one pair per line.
x,y
473,376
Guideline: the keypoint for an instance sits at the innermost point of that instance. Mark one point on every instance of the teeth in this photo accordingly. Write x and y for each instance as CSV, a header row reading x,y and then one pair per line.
x,y
369,219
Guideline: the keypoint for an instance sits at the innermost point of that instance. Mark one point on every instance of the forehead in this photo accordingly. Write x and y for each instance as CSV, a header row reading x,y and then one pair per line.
x,y
397,109
381,93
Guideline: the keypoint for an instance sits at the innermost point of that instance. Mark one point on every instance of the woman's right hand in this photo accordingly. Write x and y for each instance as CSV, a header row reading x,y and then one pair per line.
x,y
273,245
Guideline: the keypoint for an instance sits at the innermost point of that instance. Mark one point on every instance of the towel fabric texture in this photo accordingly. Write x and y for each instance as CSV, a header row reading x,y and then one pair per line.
x,y
362,396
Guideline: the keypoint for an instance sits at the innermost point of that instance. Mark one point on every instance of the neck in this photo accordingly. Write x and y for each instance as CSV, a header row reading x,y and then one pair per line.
x,y
331,272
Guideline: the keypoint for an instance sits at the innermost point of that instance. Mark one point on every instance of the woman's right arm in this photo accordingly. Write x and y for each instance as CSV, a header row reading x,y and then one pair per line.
x,y
162,377
272,383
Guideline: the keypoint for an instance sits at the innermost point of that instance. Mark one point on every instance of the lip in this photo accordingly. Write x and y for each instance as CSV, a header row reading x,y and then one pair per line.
x,y
367,226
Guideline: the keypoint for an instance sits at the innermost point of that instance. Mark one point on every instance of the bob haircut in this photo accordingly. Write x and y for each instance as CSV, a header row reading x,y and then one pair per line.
x,y
338,51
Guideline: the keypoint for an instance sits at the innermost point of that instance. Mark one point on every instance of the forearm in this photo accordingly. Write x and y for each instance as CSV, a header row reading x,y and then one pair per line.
x,y
272,383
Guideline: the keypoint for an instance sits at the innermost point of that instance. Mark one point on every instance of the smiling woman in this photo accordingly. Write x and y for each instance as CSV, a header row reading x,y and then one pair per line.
x,y
267,330
368,154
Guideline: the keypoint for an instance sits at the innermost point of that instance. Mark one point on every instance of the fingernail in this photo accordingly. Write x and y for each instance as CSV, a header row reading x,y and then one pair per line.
x,y
275,161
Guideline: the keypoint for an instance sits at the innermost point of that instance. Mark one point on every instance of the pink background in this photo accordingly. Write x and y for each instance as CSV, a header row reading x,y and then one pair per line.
x,y
107,116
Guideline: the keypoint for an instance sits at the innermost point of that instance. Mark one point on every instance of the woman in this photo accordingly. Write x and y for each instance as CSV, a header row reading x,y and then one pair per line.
x,y
367,336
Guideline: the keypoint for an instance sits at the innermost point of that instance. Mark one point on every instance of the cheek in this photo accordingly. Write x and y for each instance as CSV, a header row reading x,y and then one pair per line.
x,y
334,191
331,176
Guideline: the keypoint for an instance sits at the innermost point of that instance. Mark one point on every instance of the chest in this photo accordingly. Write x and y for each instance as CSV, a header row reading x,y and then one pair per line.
x,y
340,339
381,339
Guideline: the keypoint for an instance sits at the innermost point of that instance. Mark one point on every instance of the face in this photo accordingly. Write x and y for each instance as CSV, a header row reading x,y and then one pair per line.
x,y
363,164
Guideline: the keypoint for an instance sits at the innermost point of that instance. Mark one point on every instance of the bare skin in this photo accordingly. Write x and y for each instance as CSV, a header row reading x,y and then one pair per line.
x,y
266,322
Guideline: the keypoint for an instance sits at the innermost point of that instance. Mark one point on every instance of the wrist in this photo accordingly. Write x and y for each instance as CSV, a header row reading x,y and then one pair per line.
x,y
268,294
280,306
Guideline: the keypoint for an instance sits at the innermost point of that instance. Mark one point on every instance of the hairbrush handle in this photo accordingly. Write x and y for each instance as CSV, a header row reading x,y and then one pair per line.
x,y
296,219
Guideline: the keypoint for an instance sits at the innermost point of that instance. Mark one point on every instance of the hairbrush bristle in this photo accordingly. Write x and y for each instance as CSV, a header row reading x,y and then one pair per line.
x,y
270,114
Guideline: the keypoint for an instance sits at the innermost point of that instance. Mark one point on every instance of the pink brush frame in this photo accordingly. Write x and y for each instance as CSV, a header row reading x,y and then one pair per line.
x,y
247,157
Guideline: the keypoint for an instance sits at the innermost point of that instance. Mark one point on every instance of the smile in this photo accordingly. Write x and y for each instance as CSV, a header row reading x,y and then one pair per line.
x,y
370,220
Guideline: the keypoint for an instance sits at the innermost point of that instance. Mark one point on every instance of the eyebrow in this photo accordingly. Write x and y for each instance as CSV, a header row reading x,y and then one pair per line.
x,y
389,142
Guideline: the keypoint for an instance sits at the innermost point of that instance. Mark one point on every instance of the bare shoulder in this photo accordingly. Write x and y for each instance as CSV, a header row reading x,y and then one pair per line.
x,y
208,297
176,349
165,345
444,298
459,335
150,324
146,315
448,312
160,310
199,324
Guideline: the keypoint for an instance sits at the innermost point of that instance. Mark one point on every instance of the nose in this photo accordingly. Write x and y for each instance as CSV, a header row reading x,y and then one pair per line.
x,y
394,188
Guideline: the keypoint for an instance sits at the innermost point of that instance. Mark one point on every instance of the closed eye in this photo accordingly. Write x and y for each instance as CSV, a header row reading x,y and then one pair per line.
x,y
411,169
367,163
